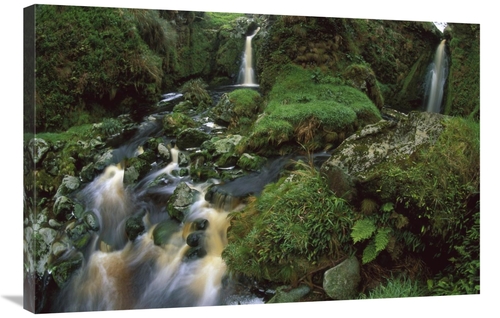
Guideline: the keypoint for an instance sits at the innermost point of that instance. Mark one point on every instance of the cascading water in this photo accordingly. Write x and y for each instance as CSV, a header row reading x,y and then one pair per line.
x,y
436,80
246,76
183,269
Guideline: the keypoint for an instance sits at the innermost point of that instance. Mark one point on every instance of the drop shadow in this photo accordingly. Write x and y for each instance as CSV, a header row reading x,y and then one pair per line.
x,y
18,300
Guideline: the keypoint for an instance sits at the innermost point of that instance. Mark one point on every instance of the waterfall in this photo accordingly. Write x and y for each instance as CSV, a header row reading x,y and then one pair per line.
x,y
436,80
246,76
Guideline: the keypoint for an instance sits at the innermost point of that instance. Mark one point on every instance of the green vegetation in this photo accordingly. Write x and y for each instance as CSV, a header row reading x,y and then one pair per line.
x,y
90,62
312,109
294,228
397,287
462,97
429,205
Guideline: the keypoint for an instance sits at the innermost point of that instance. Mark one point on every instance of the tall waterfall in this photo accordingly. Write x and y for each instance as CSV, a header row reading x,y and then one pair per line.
x,y
436,80
246,76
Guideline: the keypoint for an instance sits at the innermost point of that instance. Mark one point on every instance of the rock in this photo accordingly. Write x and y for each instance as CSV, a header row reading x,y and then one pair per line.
x,y
68,185
285,294
384,141
191,138
194,239
38,148
181,200
63,208
341,282
135,226
164,230
164,152
104,160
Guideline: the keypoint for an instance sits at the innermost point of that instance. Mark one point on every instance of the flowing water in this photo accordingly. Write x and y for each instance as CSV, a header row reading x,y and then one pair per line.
x,y
185,269
246,76
436,80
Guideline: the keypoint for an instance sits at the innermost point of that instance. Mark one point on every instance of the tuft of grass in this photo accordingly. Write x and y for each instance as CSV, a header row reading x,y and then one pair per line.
x,y
397,287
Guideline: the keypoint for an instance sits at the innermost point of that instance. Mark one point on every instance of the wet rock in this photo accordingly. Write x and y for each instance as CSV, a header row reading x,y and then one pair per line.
x,y
164,230
341,282
62,270
194,253
194,239
191,138
285,294
134,226
104,160
87,173
91,220
200,224
164,152
69,184
63,208
181,200
38,148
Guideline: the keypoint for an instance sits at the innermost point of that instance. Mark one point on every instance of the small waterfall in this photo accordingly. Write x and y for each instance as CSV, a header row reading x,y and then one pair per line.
x,y
436,80
246,76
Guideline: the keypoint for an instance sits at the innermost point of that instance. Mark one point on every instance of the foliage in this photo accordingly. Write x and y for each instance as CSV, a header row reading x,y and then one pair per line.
x,y
463,87
87,55
287,232
196,92
430,203
397,287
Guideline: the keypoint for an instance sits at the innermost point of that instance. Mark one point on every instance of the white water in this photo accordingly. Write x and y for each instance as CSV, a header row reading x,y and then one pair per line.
x,y
437,80
120,274
246,76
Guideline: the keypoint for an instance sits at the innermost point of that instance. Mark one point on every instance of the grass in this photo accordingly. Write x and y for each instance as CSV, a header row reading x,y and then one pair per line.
x,y
306,105
397,287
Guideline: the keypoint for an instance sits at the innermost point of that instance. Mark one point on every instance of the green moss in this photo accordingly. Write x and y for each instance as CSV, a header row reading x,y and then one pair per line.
x,y
306,110
289,230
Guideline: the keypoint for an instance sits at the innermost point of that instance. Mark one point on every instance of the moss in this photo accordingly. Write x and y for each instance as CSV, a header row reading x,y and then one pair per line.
x,y
282,235
305,110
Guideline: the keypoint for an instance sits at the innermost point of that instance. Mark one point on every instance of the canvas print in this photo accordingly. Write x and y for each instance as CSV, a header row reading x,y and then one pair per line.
x,y
184,159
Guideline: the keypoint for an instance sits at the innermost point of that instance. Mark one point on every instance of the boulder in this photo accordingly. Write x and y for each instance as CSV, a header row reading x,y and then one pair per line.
x,y
384,141
341,282
181,200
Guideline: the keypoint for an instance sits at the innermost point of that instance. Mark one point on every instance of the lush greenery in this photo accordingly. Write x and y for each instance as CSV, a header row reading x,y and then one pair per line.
x,y
462,97
435,216
312,109
396,287
90,62
292,229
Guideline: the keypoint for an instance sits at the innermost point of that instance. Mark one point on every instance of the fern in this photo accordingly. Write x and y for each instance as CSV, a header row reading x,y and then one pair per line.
x,y
382,239
369,253
362,230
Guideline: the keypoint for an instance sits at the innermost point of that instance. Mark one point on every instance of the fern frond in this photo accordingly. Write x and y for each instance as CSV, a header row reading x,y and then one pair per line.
x,y
369,253
382,238
362,230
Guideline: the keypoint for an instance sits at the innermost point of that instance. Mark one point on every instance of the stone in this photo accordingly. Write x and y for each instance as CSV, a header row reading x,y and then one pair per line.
x,y
38,148
285,294
385,141
341,282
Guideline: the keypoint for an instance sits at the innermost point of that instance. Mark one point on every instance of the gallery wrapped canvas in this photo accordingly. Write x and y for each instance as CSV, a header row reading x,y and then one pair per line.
x,y
195,158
